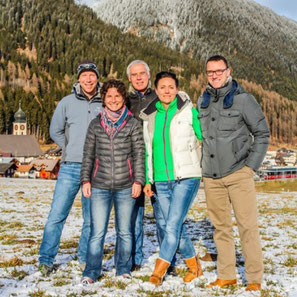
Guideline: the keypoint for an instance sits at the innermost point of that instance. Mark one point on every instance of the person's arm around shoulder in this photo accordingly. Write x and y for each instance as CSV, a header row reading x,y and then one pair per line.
x,y
257,125
196,123
57,126
88,160
138,158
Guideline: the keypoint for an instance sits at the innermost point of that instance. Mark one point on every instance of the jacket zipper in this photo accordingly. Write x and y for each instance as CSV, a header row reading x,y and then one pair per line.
x,y
96,168
165,145
112,162
130,168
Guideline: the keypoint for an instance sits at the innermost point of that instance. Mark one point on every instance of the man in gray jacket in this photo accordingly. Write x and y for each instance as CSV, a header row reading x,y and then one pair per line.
x,y
68,129
235,141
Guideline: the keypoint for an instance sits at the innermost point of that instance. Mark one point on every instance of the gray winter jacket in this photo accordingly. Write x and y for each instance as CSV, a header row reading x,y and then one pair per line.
x,y
114,163
234,130
71,120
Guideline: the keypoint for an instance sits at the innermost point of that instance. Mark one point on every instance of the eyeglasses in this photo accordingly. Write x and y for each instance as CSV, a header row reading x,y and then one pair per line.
x,y
86,66
218,72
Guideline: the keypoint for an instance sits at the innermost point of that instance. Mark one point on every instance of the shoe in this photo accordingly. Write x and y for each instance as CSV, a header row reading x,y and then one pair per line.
x,y
159,272
194,269
208,257
135,267
253,287
222,283
126,275
45,269
86,281
82,266
172,271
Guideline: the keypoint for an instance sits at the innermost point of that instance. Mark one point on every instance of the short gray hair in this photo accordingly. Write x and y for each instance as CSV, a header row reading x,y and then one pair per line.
x,y
147,68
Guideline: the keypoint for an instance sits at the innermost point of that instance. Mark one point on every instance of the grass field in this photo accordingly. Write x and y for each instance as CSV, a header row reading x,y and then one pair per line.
x,y
24,206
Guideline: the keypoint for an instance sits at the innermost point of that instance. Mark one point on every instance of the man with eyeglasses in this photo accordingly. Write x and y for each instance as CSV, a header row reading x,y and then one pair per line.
x,y
235,141
68,129
139,96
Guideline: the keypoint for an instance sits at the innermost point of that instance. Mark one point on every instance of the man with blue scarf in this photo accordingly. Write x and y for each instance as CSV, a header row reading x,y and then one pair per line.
x,y
235,140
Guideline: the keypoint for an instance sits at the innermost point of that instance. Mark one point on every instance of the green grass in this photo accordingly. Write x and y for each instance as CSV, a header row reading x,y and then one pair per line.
x,y
39,293
19,274
109,283
155,294
87,293
277,186
61,282
69,244
290,262
144,278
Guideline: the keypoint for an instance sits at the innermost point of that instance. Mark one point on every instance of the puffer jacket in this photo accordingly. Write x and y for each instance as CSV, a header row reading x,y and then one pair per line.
x,y
234,130
184,145
114,163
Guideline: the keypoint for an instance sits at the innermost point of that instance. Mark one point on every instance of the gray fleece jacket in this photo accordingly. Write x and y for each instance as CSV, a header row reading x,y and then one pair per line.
x,y
70,122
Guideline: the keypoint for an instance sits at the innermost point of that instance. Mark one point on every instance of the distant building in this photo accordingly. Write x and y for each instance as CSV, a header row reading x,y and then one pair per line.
x,y
7,169
25,171
24,148
46,168
20,122
289,159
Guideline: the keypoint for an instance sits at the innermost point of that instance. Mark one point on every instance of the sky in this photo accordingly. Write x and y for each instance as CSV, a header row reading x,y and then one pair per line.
x,y
287,8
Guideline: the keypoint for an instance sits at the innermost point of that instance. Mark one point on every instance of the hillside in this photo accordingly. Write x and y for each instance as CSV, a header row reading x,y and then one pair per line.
x,y
42,41
41,44
261,45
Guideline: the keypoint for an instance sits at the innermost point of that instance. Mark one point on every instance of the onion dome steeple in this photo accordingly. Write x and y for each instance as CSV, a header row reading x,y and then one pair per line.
x,y
20,116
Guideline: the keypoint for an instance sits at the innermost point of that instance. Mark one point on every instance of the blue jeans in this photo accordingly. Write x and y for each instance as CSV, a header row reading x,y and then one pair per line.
x,y
175,198
67,186
138,233
101,204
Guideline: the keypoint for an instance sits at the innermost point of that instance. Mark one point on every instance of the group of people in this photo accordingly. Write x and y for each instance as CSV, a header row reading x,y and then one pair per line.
x,y
120,146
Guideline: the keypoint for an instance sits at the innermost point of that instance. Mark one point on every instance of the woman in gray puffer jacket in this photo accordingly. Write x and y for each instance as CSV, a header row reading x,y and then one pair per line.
x,y
112,173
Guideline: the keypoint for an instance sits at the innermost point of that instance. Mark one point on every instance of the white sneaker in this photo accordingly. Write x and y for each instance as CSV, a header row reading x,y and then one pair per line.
x,y
86,281
126,275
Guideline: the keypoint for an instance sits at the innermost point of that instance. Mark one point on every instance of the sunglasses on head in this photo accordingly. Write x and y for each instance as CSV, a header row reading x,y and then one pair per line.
x,y
86,66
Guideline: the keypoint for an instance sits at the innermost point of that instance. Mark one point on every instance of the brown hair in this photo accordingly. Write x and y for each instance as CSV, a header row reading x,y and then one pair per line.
x,y
113,83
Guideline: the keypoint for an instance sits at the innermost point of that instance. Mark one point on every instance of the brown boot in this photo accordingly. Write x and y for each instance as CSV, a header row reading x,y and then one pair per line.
x,y
253,287
208,257
159,272
222,283
194,269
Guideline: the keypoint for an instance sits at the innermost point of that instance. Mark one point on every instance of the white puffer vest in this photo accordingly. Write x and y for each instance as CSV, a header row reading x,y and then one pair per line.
x,y
185,149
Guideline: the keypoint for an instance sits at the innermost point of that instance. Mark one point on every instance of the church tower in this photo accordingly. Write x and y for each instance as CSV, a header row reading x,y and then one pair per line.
x,y
20,122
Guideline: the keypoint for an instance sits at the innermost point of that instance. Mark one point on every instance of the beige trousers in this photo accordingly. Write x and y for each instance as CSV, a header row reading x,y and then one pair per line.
x,y
237,189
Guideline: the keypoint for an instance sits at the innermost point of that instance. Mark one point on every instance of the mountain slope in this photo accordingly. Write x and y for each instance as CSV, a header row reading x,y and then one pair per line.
x,y
261,45
41,44
42,41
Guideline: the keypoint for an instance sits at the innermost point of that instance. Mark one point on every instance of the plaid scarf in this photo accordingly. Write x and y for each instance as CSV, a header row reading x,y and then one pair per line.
x,y
112,120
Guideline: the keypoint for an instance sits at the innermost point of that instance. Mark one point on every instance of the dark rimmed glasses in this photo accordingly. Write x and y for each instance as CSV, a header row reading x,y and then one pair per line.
x,y
218,72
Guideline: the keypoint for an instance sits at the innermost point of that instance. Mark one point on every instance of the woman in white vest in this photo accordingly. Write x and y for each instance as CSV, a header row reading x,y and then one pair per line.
x,y
171,134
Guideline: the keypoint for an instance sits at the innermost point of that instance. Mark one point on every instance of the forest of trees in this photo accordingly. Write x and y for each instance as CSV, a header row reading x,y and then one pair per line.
x,y
261,45
43,41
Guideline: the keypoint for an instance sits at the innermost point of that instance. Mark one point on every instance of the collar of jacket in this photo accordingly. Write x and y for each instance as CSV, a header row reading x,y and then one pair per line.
x,y
128,116
133,93
227,92
151,108
79,94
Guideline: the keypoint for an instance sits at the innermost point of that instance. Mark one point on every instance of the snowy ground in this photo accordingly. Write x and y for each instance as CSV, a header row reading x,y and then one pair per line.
x,y
24,206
